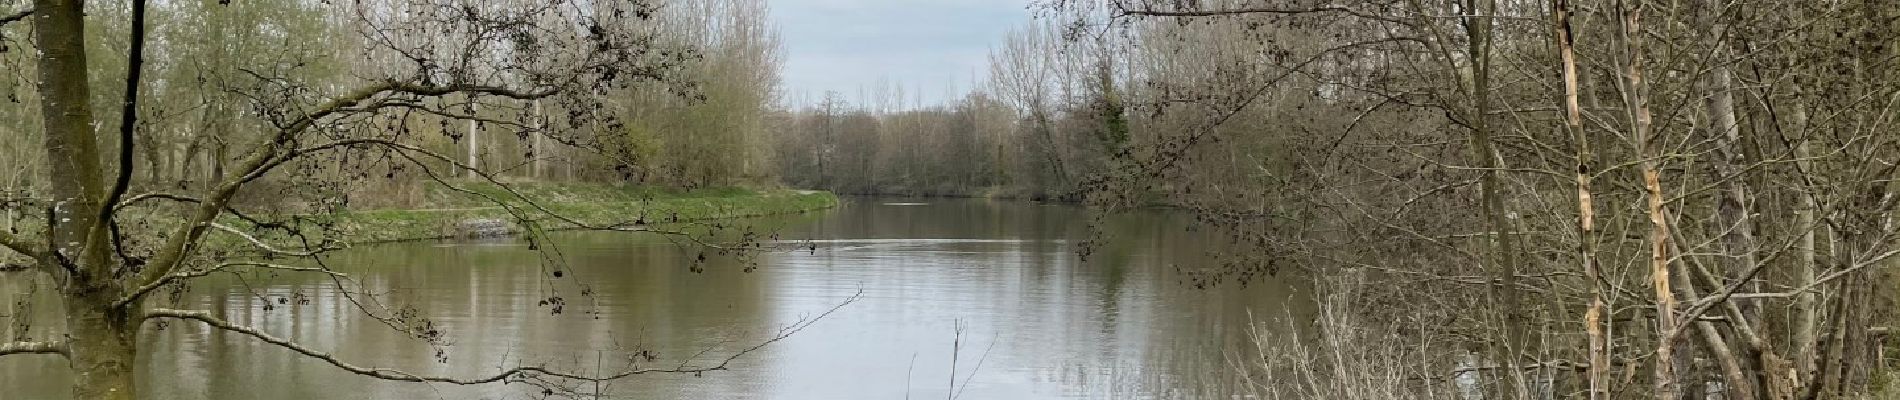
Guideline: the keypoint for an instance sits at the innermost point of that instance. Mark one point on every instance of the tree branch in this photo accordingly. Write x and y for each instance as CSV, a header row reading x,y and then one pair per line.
x,y
266,247
15,17
276,151
154,196
1861,265
508,375
1149,12
373,372
49,347
129,115
148,288
21,245
1702,305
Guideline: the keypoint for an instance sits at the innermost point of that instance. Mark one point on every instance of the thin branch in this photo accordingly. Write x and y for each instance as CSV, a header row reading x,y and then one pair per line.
x,y
266,247
1259,10
50,347
373,372
148,288
1703,305
15,17
782,334
1167,158
508,375
155,196
276,151
1870,262
21,245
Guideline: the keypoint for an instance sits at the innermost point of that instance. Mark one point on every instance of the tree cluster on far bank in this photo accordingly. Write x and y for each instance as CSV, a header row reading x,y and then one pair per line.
x,y
1048,120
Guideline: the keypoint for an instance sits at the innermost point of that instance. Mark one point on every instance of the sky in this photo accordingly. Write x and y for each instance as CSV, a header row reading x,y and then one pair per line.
x,y
929,46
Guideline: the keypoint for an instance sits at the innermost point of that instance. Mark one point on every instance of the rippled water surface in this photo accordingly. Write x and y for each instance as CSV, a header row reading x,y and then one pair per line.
x,y
995,289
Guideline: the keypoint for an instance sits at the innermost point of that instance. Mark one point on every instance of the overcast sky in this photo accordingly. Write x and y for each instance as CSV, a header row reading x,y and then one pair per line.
x,y
927,45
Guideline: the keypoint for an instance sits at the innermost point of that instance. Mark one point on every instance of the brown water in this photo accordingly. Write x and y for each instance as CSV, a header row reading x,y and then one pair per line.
x,y
1038,322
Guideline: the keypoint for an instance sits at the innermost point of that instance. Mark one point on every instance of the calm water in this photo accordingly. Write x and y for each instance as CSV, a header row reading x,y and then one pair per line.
x,y
1037,321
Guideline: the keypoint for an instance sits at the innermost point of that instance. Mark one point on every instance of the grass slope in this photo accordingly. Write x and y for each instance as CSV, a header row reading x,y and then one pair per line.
x,y
593,204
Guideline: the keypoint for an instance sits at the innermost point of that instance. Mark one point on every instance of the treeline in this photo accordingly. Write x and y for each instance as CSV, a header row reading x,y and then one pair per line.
x,y
847,148
1511,198
1047,121
218,74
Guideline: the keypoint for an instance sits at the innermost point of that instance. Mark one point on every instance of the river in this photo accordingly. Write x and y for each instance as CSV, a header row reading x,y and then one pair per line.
x,y
996,289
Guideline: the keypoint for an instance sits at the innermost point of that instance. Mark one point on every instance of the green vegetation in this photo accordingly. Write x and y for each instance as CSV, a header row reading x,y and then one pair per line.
x,y
593,204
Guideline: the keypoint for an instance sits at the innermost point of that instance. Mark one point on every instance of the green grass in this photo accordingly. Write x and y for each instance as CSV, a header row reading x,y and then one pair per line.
x,y
592,204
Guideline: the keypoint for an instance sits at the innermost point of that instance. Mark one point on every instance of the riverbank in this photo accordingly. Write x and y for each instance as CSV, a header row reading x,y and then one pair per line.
x,y
987,192
1146,199
591,204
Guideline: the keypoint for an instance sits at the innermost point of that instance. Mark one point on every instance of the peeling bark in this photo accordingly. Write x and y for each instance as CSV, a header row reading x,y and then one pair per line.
x,y
1636,102
1597,378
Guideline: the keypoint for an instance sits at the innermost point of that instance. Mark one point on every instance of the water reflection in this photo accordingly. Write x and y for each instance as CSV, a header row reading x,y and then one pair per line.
x,y
1037,321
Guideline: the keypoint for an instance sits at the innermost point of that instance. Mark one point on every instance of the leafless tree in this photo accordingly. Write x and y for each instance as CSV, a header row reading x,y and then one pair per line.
x,y
1644,192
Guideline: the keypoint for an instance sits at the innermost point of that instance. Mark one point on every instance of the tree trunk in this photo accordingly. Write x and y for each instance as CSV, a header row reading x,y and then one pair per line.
x,y
104,351
474,146
154,159
71,147
540,152
1807,304
1052,157
1732,209
101,340
1735,373
1502,251
215,126
220,150
1636,102
1598,378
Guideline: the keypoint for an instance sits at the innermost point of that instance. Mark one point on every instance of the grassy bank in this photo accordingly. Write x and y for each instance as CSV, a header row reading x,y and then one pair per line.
x,y
592,204
986,192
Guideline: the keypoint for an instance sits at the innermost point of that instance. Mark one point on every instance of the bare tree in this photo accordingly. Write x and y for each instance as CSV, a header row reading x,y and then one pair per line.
x,y
1724,228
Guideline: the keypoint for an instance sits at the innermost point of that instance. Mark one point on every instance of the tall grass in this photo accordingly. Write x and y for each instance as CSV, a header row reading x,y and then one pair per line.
x,y
1343,355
